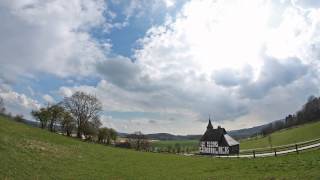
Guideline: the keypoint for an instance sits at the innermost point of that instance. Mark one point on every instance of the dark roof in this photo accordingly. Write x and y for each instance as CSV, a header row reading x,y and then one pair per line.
x,y
209,125
213,134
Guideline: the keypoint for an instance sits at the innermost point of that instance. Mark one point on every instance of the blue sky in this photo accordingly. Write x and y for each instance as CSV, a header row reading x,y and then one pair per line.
x,y
162,65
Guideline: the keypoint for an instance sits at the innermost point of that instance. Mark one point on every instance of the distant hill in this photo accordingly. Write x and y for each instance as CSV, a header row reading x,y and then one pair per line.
x,y
247,132
167,136
31,123
237,134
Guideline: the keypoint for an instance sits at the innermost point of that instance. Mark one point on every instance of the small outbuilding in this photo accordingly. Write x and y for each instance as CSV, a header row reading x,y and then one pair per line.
x,y
217,142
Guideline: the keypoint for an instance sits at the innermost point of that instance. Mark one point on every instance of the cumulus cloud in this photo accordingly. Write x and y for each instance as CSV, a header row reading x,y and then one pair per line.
x,y
139,8
227,60
235,60
120,71
50,36
48,98
274,74
230,77
18,103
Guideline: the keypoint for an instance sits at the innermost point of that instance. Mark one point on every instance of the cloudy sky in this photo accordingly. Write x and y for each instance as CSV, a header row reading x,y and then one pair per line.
x,y
163,65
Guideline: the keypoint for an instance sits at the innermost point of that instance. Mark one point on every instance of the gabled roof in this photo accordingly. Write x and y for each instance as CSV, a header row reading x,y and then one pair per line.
x,y
213,134
230,140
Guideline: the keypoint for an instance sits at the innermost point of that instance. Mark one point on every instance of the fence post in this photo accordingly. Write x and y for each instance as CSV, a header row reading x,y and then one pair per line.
x,y
297,149
254,153
275,152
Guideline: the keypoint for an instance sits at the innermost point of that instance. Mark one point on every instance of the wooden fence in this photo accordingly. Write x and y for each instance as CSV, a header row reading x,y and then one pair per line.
x,y
278,150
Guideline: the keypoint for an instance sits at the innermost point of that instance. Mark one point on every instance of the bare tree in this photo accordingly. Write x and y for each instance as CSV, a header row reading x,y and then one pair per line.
x,y
84,108
2,107
138,141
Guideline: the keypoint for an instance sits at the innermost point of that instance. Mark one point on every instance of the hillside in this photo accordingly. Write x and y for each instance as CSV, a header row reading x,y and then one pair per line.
x,y
286,136
31,153
238,134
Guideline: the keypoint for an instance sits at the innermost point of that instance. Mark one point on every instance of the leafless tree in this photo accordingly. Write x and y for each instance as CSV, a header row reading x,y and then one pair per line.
x,y
84,108
138,141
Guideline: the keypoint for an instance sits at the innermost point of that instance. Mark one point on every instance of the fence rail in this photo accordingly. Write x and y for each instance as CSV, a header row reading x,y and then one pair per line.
x,y
276,149
279,150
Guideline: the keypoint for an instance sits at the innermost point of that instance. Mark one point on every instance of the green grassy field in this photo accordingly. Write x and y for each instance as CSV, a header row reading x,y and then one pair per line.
x,y
185,145
288,136
32,153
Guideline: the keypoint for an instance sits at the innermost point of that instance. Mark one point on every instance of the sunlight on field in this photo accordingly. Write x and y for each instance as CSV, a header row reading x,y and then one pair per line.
x,y
32,153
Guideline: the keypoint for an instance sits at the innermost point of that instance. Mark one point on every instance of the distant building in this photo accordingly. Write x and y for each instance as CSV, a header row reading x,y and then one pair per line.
x,y
217,142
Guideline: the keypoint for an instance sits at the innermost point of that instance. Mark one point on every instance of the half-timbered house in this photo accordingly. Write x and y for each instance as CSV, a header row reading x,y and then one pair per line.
x,y
217,142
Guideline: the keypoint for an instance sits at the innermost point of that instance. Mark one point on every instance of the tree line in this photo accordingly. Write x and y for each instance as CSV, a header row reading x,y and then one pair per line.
x,y
309,112
77,115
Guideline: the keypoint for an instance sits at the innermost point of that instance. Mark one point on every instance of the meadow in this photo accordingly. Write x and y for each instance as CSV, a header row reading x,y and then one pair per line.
x,y
32,153
292,135
183,145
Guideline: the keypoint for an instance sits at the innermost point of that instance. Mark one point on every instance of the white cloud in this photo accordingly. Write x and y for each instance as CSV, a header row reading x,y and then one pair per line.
x,y
229,59
65,92
235,60
18,103
169,3
48,98
50,36
146,10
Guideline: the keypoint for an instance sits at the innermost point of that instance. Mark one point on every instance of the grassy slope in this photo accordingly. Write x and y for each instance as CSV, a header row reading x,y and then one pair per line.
x,y
289,136
31,153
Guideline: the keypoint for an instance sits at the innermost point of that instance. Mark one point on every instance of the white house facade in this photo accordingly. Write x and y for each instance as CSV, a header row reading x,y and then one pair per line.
x,y
217,142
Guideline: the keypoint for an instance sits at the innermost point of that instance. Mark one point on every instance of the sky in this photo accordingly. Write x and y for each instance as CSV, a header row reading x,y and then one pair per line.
x,y
163,65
